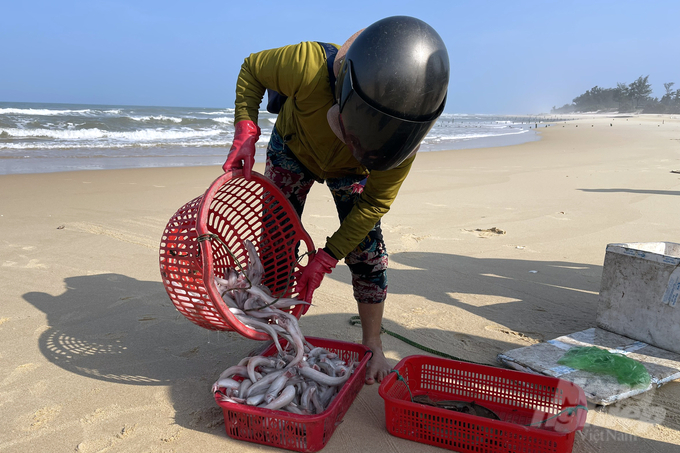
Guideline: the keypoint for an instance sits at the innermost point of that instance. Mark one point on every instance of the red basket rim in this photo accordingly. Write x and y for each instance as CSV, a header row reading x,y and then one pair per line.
x,y
207,264
206,248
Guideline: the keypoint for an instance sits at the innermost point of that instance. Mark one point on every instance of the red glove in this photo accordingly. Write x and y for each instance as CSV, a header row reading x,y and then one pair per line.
x,y
311,277
242,152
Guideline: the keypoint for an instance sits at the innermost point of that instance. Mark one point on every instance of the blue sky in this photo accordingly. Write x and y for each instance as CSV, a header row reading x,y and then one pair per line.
x,y
506,56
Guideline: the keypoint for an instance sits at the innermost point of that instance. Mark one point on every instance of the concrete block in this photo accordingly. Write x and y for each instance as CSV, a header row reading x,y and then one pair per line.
x,y
640,293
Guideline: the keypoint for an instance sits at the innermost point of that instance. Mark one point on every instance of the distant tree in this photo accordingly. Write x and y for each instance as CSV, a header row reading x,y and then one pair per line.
x,y
595,99
621,94
566,108
584,101
667,98
640,90
675,102
669,87
625,98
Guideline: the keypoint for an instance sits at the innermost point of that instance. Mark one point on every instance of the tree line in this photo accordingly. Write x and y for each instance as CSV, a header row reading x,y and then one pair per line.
x,y
633,97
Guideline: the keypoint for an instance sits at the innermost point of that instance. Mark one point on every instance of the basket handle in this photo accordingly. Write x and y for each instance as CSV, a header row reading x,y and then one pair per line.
x,y
206,246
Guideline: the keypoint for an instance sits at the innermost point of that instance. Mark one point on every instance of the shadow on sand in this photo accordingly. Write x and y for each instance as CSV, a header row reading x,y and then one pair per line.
x,y
115,328
638,191
539,299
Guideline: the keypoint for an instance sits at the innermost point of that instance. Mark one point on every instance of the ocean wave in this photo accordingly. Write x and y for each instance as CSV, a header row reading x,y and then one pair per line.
x,y
156,118
438,138
81,131
115,145
132,154
94,133
51,112
219,112
40,112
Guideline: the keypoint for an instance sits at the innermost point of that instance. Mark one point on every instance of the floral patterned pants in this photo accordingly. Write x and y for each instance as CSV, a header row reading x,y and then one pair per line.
x,y
368,261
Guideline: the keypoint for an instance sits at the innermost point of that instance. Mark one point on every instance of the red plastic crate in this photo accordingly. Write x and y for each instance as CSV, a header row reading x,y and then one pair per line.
x,y
519,399
305,433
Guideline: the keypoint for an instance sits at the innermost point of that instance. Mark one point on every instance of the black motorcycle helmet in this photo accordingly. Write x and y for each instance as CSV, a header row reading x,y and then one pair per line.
x,y
391,88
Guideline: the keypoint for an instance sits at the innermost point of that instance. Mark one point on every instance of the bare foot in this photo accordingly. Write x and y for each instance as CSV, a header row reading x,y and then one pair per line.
x,y
378,368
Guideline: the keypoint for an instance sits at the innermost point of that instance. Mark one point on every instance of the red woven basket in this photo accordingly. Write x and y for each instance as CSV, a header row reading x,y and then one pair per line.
x,y
531,408
233,209
304,433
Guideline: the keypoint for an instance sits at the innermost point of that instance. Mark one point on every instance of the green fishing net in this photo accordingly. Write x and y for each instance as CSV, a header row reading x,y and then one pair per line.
x,y
601,361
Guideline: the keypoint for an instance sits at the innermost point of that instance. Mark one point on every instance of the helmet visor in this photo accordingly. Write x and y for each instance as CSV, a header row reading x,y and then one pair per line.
x,y
378,140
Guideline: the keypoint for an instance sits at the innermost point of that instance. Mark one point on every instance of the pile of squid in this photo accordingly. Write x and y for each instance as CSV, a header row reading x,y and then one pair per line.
x,y
301,378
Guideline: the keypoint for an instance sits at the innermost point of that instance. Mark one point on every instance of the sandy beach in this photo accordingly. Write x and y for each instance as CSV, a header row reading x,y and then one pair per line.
x,y
95,358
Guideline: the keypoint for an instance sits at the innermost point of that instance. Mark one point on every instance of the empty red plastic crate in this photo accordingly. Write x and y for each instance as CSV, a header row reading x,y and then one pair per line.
x,y
306,433
519,399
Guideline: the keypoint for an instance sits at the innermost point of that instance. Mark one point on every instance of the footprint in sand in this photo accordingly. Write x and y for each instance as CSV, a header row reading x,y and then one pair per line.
x,y
30,264
43,416
411,241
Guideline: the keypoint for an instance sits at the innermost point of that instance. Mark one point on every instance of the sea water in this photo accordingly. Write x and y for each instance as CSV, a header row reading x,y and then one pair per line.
x,y
37,138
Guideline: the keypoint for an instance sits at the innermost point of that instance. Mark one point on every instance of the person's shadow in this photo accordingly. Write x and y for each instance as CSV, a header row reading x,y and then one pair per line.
x,y
538,299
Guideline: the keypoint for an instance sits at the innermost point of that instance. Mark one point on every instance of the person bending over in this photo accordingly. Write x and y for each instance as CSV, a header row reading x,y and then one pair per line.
x,y
359,134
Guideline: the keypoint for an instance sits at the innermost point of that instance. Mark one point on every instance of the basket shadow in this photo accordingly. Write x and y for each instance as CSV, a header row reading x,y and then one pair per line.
x,y
118,329
114,328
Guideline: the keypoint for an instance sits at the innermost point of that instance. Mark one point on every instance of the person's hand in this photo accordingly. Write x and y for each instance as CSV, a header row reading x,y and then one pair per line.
x,y
311,277
242,152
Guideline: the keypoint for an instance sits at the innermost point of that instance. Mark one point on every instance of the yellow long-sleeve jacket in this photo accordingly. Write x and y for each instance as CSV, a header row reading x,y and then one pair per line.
x,y
299,71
